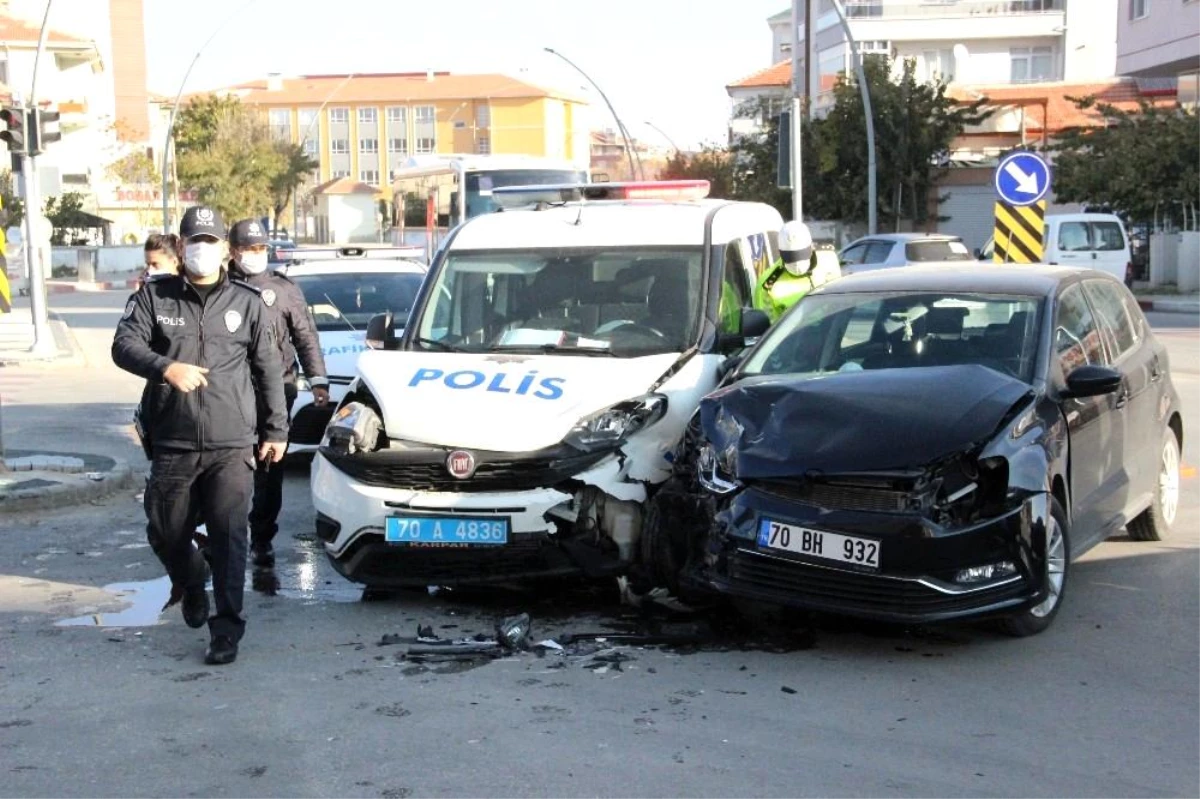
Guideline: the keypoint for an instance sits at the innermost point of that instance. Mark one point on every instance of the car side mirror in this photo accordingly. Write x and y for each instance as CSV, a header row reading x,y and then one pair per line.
x,y
754,323
381,332
1092,381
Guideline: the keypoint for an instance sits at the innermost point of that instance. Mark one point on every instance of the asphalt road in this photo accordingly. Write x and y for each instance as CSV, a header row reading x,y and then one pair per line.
x,y
1105,703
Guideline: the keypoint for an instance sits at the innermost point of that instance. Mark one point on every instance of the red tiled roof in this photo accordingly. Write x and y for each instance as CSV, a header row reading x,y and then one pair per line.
x,y
345,186
779,76
384,87
18,30
1048,108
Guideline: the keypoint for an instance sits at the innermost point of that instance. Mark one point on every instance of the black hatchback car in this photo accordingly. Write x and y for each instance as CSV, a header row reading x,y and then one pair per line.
x,y
926,444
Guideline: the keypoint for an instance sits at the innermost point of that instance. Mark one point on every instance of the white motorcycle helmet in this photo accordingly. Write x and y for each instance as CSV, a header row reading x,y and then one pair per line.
x,y
796,248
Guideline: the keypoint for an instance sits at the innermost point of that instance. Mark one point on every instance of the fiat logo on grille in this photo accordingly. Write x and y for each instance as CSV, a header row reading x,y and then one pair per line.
x,y
460,464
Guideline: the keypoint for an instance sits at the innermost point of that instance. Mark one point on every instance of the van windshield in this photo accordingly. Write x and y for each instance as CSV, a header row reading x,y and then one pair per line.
x,y
611,301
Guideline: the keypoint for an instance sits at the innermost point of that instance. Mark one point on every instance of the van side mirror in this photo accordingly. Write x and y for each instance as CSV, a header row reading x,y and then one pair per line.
x,y
754,323
381,332
1092,381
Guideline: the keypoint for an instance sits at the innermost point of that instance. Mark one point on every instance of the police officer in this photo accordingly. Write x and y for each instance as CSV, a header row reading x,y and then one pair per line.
x,y
295,334
205,342
790,278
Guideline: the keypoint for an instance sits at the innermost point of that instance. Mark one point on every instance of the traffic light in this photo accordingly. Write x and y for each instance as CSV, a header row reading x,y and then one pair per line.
x,y
44,130
14,129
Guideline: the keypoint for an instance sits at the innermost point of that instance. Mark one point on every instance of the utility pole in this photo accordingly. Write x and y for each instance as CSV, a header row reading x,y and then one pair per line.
x,y
809,35
796,143
857,55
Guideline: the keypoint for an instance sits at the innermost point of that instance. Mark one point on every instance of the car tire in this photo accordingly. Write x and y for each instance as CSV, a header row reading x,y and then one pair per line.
x,y
1154,523
1036,619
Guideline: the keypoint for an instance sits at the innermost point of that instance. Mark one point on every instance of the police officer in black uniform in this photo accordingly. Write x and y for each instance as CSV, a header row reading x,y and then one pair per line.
x,y
205,342
296,334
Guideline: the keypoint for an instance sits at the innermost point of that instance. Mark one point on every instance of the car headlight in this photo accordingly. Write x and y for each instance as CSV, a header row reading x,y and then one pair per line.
x,y
302,384
354,428
715,470
606,429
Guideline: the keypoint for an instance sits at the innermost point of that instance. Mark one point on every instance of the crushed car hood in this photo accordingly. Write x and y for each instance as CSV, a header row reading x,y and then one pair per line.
x,y
890,419
499,402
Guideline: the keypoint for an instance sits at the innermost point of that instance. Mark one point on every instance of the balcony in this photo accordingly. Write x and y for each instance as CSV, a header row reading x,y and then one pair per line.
x,y
882,9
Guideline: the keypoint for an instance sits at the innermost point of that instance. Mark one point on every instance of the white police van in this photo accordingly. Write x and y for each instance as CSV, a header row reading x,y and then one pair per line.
x,y
344,288
553,358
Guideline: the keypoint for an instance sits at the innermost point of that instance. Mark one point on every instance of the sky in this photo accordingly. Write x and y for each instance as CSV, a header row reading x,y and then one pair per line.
x,y
663,62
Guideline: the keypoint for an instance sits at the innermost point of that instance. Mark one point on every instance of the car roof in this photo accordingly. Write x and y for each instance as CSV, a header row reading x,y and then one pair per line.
x,y
907,237
621,223
978,276
344,267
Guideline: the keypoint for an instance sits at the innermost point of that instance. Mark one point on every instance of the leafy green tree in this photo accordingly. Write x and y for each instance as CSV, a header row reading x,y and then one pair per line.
x,y
12,207
67,217
1144,164
712,164
297,169
227,155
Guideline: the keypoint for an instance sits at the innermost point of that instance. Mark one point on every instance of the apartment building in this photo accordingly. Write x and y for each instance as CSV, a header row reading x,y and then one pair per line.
x,y
363,126
1160,39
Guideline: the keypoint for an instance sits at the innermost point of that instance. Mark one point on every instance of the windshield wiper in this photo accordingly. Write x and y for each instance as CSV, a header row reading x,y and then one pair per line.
x,y
548,348
341,315
438,344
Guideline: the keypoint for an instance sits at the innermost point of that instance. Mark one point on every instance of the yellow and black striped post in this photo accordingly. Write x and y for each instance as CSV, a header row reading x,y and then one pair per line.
x,y
1019,234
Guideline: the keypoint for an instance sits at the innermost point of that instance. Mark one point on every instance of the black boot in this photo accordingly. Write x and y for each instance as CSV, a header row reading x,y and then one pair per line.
x,y
221,650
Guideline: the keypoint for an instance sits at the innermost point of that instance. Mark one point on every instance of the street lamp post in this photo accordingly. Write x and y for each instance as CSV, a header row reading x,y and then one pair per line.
x,y
43,339
663,133
867,112
620,125
316,120
175,112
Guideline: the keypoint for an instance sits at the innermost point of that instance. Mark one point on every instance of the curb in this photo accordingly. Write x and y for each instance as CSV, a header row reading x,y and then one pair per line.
x,y
60,495
67,349
1168,306
55,287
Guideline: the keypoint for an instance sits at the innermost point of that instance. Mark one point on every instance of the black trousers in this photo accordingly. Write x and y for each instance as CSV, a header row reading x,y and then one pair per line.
x,y
217,486
268,491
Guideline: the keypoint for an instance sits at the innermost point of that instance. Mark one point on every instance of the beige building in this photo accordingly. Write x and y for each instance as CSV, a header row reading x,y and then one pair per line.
x,y
1161,39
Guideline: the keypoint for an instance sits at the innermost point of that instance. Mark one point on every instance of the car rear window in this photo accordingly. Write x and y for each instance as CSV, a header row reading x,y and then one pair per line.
x,y
940,250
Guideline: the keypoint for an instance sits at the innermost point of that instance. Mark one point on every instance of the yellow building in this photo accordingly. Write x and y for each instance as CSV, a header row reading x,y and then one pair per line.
x,y
363,126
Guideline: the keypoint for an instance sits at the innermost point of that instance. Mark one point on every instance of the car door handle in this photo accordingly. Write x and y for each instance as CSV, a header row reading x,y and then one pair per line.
x,y
1155,371
1122,398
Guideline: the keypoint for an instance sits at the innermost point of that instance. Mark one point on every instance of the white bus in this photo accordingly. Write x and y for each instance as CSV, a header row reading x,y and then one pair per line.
x,y
433,193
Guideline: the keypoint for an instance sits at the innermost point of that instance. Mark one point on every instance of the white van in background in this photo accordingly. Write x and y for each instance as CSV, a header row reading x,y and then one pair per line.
x,y
1094,241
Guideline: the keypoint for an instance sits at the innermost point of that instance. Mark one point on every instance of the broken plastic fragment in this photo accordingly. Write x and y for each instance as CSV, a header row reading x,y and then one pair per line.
x,y
549,644
513,632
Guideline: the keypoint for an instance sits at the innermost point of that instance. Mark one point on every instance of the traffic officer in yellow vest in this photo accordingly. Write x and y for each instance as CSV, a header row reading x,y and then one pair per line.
x,y
787,280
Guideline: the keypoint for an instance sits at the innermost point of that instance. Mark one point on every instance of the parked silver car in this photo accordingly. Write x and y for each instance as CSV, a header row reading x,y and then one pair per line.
x,y
900,249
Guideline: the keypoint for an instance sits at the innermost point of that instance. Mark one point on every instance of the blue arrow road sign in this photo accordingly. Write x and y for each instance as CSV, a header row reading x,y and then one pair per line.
x,y
1022,178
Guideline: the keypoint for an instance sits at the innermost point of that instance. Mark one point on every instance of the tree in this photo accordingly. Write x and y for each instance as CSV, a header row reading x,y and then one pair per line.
x,y
297,168
225,152
1143,164
12,207
67,217
137,168
711,164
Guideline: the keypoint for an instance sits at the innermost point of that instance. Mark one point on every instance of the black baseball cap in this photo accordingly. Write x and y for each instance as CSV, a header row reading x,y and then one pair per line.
x,y
200,220
248,233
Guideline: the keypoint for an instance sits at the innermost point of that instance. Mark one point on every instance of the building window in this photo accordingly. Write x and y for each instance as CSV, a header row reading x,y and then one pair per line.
x,y
368,145
340,173
398,146
396,115
339,146
424,113
280,120
1139,9
483,116
1032,64
369,176
312,147
938,65
483,145
368,116
425,128
339,116
864,8
426,145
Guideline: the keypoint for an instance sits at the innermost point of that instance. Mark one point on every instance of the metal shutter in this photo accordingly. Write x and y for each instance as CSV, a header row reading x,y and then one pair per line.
x,y
971,212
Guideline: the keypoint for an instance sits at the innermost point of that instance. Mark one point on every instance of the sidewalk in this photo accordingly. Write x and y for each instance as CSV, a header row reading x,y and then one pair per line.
x,y
16,339
124,280
1170,303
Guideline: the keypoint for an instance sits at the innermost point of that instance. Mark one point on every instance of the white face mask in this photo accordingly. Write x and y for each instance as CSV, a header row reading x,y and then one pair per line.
x,y
203,258
253,263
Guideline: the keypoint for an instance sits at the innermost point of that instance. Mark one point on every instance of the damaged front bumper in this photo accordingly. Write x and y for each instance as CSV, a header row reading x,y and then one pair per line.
x,y
926,572
587,521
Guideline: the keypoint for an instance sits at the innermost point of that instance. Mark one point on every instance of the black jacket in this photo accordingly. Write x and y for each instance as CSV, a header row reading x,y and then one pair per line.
x,y
295,332
230,335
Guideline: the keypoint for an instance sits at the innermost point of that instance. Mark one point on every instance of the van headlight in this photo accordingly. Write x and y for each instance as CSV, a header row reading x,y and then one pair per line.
x,y
715,470
354,428
606,429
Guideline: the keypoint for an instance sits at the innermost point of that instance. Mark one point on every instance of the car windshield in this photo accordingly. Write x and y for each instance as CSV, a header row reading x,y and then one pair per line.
x,y
937,250
619,301
348,300
828,333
